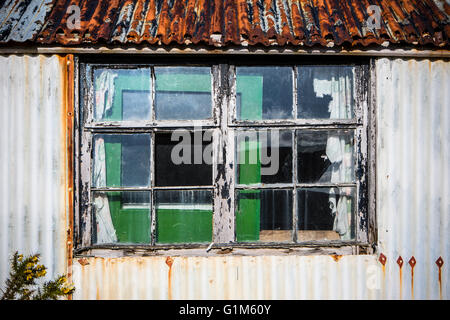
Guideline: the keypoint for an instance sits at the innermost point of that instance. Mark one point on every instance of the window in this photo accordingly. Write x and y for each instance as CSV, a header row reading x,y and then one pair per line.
x,y
235,154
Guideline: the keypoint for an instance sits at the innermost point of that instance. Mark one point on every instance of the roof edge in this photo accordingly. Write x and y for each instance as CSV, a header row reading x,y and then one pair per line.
x,y
403,51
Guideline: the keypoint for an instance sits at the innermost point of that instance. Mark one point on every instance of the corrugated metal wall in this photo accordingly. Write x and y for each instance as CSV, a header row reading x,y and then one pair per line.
x,y
413,173
33,203
413,206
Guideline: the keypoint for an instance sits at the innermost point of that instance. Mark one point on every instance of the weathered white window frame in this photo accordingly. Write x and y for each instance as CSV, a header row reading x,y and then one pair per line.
x,y
224,124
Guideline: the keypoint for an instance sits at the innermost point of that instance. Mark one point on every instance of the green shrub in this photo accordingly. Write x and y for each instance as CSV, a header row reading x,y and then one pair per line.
x,y
22,285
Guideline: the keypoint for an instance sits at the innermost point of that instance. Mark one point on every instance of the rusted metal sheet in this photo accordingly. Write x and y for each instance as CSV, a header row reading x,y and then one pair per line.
x,y
35,176
229,277
220,23
21,20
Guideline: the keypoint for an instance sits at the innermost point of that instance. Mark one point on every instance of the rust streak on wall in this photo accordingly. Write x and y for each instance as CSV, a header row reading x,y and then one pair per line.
x,y
169,262
440,263
67,115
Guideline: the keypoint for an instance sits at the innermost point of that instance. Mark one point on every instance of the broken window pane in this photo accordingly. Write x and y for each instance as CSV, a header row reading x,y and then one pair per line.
x,y
264,156
326,214
325,92
264,215
122,94
263,93
325,156
121,160
185,161
183,93
116,220
183,216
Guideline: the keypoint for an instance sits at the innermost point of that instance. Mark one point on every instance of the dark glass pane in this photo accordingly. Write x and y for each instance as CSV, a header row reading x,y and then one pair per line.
x,y
122,94
183,216
325,92
183,93
326,214
121,160
264,156
264,215
264,93
184,162
118,220
325,156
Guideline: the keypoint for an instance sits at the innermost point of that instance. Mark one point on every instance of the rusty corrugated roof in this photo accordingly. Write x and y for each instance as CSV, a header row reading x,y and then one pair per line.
x,y
225,22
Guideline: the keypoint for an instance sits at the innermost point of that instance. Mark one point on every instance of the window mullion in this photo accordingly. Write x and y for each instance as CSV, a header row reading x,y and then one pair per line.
x,y
294,157
294,191
86,220
223,161
152,193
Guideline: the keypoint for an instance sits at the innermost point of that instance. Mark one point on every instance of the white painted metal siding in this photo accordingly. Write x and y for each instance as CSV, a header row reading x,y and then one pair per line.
x,y
413,172
413,206
33,209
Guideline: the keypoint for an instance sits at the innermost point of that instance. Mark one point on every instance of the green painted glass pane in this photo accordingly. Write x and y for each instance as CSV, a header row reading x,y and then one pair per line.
x,y
183,216
264,215
122,94
121,217
183,93
248,215
264,93
121,160
264,156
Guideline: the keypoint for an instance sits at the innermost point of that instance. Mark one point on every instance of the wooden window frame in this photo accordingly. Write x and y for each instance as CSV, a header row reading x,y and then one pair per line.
x,y
224,124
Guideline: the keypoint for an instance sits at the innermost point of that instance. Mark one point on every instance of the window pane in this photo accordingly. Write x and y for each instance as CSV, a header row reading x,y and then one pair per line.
x,y
263,93
183,93
264,156
326,214
122,94
325,92
121,160
325,156
185,161
118,220
264,215
183,216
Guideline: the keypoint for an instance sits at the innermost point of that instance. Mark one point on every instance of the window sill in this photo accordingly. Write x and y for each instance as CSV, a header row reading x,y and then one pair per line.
x,y
337,248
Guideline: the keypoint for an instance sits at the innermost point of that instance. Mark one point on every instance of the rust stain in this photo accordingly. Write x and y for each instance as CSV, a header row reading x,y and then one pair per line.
x,y
383,260
83,261
400,264
336,257
440,263
220,23
67,63
412,262
169,262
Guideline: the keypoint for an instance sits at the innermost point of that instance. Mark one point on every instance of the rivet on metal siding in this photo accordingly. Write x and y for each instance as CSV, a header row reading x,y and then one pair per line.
x,y
169,261
382,259
440,262
400,261
412,262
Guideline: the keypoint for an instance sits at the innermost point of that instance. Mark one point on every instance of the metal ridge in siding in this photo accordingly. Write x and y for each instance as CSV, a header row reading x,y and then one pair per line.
x,y
33,163
231,277
413,207
413,175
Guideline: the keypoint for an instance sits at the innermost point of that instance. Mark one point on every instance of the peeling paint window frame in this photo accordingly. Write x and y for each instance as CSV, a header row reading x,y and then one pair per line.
x,y
359,124
223,123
